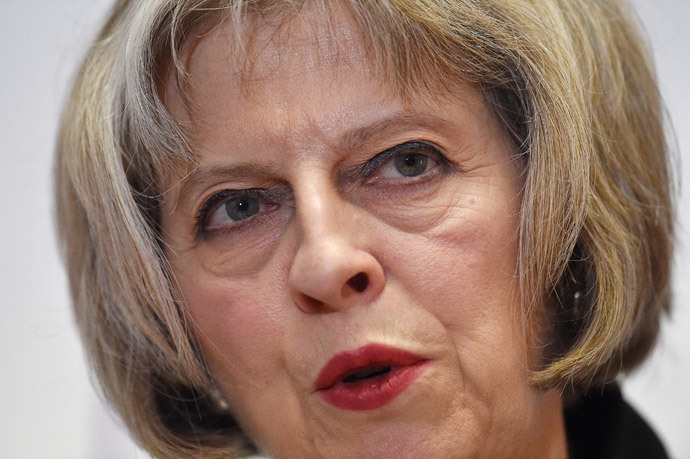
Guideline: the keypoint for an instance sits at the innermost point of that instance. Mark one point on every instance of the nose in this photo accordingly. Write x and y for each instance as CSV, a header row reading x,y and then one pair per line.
x,y
332,269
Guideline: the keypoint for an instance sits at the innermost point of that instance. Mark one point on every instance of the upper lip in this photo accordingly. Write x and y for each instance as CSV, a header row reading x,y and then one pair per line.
x,y
348,362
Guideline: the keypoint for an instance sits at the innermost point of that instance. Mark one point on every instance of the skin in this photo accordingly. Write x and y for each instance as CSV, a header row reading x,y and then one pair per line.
x,y
269,295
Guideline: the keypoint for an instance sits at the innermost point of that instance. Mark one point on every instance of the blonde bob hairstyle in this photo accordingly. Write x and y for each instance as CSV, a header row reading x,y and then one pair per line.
x,y
571,82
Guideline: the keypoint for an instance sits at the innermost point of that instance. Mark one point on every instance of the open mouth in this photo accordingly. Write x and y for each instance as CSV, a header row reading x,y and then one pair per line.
x,y
368,372
369,377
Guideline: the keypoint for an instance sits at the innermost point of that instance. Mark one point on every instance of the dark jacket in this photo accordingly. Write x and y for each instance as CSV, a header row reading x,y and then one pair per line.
x,y
602,425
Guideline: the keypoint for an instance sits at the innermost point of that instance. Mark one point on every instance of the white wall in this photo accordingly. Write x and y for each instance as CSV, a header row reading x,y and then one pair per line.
x,y
660,388
47,404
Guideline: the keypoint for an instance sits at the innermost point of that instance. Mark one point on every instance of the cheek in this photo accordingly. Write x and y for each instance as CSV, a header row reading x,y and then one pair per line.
x,y
481,281
236,327
243,333
470,287
469,259
246,253
463,275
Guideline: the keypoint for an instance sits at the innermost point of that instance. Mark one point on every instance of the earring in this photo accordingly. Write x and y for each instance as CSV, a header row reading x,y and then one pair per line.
x,y
219,399
577,300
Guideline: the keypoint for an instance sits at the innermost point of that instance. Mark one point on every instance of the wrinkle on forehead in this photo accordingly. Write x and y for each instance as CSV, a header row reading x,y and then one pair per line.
x,y
312,43
315,39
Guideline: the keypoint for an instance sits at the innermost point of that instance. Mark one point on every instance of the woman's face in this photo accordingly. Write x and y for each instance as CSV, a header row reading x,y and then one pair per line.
x,y
348,258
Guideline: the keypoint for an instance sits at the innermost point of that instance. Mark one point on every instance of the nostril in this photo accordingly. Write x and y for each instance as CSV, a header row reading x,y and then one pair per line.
x,y
359,282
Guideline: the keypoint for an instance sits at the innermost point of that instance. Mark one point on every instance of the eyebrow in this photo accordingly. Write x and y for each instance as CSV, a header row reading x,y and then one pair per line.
x,y
357,138
352,140
198,177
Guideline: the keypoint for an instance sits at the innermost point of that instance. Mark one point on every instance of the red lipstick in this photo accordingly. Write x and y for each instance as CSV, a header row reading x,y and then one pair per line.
x,y
369,377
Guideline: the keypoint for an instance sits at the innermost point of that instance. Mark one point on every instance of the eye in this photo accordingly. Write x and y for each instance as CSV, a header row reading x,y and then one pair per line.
x,y
407,165
237,209
230,208
409,160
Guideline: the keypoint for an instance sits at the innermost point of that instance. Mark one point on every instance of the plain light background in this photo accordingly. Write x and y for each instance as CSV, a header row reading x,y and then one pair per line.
x,y
48,407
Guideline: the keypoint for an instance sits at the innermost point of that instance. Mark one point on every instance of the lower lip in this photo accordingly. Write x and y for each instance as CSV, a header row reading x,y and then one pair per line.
x,y
372,393
376,392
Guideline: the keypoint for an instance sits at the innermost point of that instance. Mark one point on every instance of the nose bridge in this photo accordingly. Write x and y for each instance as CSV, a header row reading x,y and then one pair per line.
x,y
324,215
333,268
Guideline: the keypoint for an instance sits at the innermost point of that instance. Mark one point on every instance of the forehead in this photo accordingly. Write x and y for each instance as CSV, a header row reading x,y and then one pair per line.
x,y
243,61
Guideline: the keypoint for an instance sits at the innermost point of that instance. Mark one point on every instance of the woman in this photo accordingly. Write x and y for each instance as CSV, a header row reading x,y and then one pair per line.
x,y
398,228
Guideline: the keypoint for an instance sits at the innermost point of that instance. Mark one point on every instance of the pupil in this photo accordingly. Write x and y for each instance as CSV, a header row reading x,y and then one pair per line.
x,y
411,164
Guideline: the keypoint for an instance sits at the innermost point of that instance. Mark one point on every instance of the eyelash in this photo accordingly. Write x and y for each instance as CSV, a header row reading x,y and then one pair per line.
x,y
365,170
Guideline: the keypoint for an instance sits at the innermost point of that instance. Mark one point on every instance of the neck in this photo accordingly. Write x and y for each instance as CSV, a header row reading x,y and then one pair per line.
x,y
550,423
